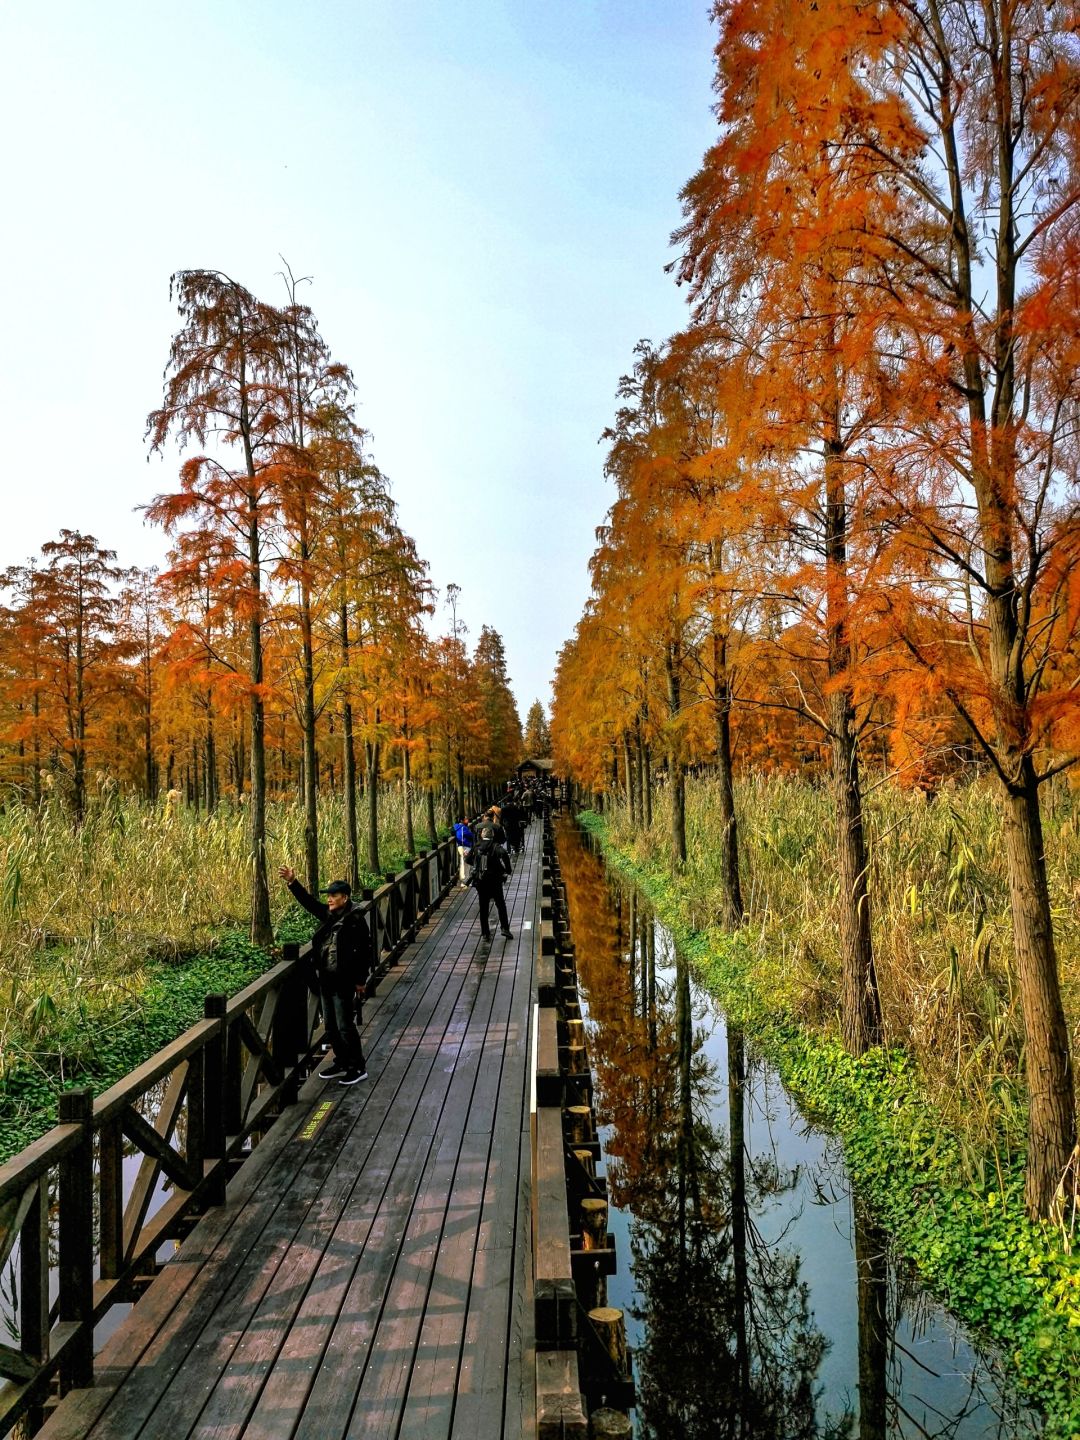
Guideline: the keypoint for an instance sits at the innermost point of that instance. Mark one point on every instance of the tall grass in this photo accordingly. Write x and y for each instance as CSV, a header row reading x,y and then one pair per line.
x,y
84,910
940,909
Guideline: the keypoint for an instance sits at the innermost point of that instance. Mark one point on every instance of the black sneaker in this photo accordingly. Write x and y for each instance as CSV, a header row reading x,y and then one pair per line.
x,y
486,938
334,1072
507,934
350,1077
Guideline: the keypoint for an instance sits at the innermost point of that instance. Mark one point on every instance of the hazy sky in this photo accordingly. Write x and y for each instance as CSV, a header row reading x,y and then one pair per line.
x,y
482,191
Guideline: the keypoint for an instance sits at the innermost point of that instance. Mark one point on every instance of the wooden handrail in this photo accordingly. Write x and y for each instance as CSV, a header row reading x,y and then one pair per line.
x,y
243,1063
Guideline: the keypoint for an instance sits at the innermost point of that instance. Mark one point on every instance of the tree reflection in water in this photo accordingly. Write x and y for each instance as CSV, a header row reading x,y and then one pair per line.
x,y
731,1345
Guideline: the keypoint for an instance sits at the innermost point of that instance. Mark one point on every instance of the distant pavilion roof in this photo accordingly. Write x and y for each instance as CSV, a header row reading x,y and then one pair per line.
x,y
545,765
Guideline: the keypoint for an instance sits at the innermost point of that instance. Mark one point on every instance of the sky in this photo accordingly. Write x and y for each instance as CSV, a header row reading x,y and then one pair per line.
x,y
482,192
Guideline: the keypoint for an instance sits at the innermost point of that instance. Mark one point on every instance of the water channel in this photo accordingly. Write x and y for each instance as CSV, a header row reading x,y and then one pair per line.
x,y
761,1298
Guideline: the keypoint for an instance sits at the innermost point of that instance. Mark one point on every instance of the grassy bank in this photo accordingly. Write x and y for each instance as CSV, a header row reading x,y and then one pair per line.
x,y
940,915
953,1200
111,934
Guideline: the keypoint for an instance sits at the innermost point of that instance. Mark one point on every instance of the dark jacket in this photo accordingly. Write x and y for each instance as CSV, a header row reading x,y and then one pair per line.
x,y
353,942
498,864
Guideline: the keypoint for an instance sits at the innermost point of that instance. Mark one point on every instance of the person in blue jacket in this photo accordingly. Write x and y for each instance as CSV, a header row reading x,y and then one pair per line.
x,y
464,837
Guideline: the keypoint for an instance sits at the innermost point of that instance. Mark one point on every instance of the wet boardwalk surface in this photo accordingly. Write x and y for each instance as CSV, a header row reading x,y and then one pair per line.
x,y
368,1275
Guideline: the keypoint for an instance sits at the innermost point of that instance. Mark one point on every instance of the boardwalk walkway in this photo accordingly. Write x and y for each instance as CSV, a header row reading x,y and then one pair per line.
x,y
368,1275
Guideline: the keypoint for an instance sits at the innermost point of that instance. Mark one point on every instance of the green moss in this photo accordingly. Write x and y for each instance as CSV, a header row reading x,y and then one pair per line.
x,y
971,1241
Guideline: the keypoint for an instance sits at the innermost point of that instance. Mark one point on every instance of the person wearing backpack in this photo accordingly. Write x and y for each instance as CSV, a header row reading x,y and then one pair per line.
x,y
490,866
341,950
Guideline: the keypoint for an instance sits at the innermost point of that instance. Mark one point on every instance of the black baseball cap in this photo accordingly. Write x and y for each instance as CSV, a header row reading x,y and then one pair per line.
x,y
337,887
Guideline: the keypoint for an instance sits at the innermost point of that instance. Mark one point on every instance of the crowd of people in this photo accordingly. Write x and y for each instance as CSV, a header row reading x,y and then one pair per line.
x,y
341,946
487,845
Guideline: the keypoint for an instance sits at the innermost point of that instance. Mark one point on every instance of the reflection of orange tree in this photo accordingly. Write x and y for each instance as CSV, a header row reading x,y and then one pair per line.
x,y
730,1345
632,1052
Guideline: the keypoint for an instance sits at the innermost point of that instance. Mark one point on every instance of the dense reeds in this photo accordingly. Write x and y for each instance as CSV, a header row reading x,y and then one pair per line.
x,y
85,910
940,911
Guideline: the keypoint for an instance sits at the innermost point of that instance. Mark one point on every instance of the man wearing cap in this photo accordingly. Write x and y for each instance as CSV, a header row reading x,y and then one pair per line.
x,y
341,950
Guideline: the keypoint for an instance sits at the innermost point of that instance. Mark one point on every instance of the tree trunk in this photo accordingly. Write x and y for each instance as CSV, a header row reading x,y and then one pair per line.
x,y
736,1067
311,767
406,786
871,1265
261,929
732,917
1048,1061
647,786
860,1005
372,756
628,777
210,762
429,797
676,772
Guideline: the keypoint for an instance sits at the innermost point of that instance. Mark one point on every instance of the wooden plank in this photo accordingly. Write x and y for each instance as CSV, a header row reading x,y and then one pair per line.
x,y
549,1080
36,1159
469,1265
359,1353
391,1219
556,1314
215,1315
290,1328
560,1406
199,1254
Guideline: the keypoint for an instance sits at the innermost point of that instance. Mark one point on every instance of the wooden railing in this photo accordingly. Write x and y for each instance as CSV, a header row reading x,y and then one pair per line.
x,y
191,1113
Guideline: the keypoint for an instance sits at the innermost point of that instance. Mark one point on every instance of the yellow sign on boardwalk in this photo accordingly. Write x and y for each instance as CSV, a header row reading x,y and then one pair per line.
x,y
316,1120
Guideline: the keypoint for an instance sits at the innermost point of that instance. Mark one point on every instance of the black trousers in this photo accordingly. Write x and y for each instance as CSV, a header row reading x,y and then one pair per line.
x,y
486,892
339,1017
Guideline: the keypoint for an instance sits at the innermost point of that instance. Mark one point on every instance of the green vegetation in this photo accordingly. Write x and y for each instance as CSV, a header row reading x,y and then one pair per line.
x,y
111,934
940,913
953,1195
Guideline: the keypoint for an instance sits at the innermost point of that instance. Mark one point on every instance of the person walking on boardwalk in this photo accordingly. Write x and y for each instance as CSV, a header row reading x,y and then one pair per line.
x,y
511,819
464,836
341,949
490,865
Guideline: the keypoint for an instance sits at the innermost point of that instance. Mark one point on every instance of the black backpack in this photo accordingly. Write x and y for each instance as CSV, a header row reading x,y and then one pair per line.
x,y
481,859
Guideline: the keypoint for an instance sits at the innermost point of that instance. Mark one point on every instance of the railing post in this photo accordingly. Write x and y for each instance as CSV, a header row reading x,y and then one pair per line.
x,y
34,1288
213,1096
286,1045
373,927
111,1198
76,1241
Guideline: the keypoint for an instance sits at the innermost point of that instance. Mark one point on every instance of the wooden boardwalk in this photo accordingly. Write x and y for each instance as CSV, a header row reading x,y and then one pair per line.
x,y
370,1272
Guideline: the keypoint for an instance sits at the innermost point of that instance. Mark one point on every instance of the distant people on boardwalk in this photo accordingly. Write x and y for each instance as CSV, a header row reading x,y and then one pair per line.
x,y
464,836
511,819
490,865
493,816
341,952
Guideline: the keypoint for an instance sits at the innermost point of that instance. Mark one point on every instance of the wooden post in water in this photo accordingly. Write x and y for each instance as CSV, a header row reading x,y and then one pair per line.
x,y
579,1120
607,1424
611,1328
594,1214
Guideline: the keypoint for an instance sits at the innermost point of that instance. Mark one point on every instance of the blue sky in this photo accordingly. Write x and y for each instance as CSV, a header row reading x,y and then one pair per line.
x,y
482,192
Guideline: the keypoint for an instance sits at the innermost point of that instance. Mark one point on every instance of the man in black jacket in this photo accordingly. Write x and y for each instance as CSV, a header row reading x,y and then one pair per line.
x,y
490,866
341,950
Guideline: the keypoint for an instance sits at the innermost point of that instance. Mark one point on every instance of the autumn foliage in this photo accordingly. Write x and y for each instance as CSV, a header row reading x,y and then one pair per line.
x,y
846,525
287,645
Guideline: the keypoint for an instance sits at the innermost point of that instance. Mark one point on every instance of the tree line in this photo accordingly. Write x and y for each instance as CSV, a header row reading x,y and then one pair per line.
x,y
847,521
285,646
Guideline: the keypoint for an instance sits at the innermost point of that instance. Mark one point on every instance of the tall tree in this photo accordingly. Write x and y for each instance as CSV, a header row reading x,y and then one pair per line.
x,y
228,382
537,739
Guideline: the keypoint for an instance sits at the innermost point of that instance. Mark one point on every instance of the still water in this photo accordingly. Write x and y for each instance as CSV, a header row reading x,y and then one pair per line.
x,y
761,1298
